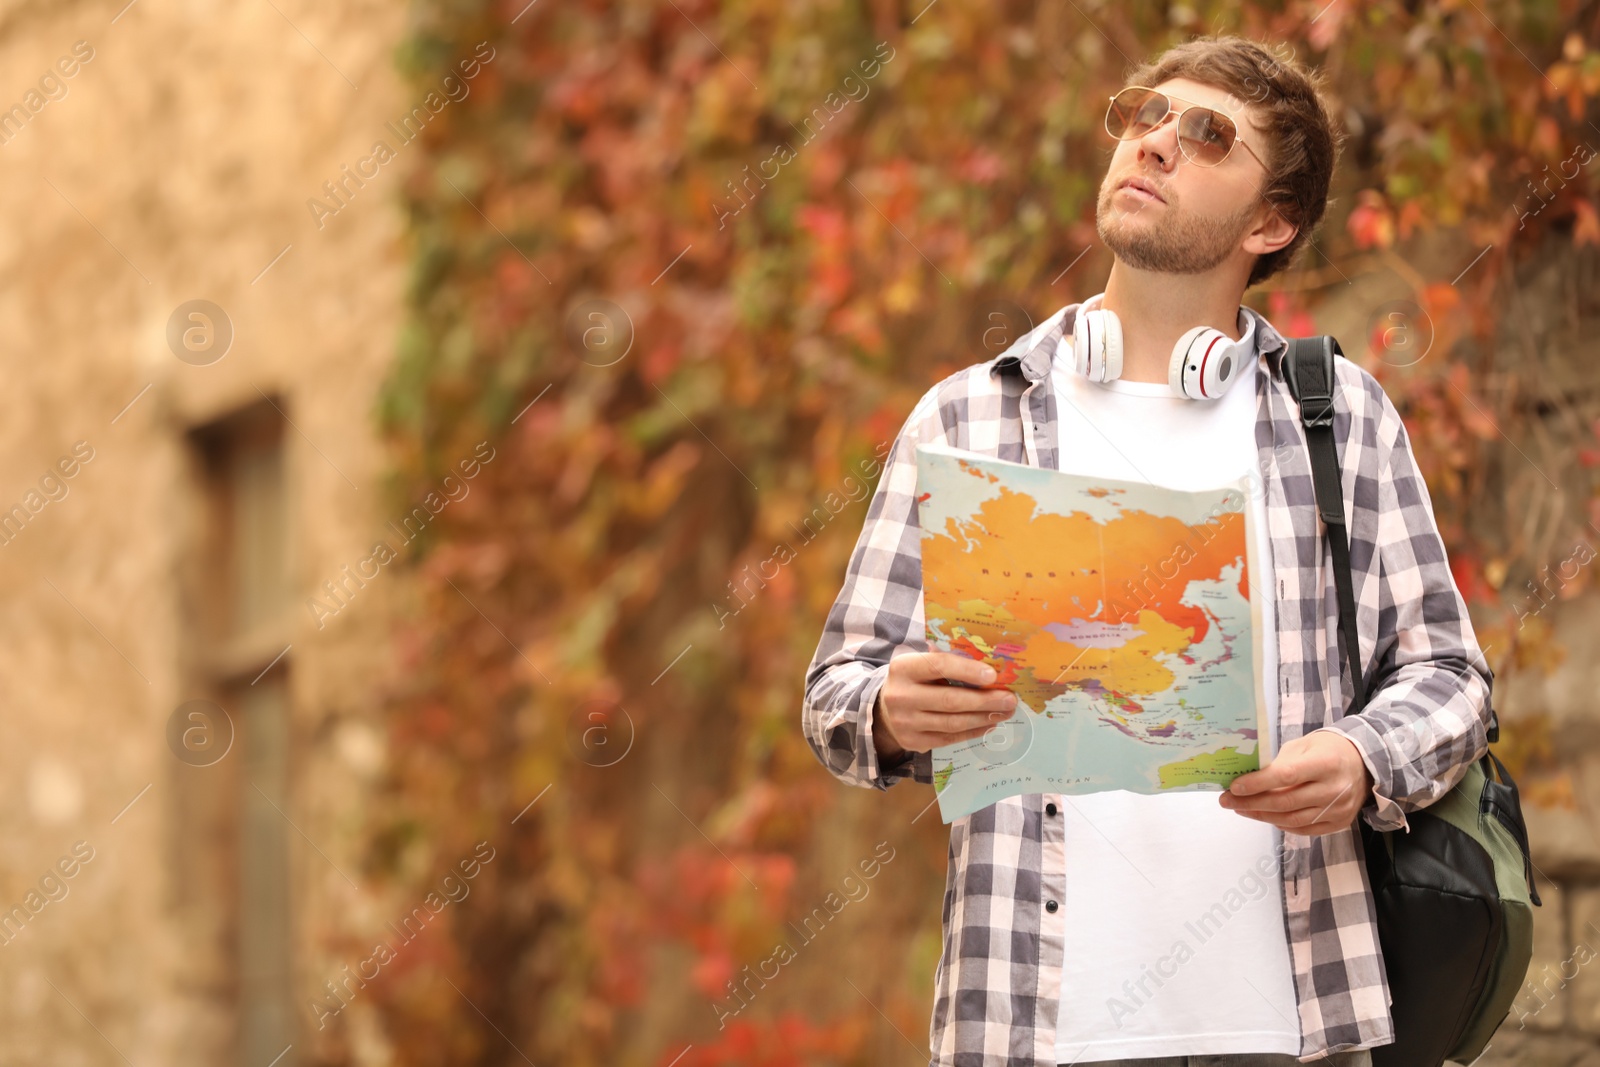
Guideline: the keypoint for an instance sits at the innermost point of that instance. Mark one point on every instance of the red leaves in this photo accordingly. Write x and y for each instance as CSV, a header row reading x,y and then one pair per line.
x,y
827,224
981,167
660,361
1467,570
1590,457
1412,219
1288,312
1371,224
832,280
711,973
700,886
788,1041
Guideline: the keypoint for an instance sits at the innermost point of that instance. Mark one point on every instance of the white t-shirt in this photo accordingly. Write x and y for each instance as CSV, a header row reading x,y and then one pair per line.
x,y
1175,937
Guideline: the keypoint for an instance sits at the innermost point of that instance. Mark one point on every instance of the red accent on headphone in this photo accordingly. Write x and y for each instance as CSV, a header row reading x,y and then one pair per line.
x,y
1203,360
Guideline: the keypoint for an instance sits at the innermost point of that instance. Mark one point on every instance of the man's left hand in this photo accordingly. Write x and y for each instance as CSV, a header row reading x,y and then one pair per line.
x,y
1316,784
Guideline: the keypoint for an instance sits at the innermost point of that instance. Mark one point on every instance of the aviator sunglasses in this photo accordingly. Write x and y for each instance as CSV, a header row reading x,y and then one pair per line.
x,y
1205,136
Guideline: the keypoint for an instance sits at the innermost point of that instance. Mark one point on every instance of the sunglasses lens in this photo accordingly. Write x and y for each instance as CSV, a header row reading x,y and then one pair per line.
x,y
1206,136
1134,112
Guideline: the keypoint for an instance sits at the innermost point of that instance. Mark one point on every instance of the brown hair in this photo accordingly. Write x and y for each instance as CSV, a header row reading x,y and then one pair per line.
x,y
1289,103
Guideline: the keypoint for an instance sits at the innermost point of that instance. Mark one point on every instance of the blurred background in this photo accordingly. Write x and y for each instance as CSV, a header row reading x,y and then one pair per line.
x,y
433,436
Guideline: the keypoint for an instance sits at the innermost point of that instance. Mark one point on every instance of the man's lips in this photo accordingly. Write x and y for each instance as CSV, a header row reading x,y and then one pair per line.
x,y
1141,193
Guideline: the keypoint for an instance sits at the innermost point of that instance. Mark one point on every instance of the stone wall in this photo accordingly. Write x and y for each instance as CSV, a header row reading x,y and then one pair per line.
x,y
176,166
1550,721
1556,1019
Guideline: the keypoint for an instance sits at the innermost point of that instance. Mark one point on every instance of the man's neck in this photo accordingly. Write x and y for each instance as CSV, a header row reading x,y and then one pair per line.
x,y
1157,309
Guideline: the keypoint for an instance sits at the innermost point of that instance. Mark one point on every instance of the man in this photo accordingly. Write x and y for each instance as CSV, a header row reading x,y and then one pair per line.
x,y
1182,928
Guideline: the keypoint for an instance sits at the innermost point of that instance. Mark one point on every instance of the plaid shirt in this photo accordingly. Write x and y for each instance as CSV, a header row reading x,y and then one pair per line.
x,y
998,981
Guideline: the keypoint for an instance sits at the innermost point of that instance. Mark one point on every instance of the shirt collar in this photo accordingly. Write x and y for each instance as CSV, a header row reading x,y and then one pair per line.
x,y
1032,353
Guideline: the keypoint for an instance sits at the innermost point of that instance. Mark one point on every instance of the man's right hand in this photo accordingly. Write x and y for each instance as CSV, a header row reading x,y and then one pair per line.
x,y
918,711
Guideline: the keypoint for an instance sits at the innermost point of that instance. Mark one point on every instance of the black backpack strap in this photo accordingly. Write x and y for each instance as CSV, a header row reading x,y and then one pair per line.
x,y
1309,370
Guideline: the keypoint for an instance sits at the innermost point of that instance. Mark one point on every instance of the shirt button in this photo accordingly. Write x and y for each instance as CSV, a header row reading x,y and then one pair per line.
x,y
1051,906
1049,809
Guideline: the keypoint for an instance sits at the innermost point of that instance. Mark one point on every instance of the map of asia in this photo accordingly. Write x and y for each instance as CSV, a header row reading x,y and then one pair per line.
x,y
1118,612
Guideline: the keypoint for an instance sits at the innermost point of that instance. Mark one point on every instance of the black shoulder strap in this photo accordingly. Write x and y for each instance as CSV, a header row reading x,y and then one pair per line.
x,y
1309,370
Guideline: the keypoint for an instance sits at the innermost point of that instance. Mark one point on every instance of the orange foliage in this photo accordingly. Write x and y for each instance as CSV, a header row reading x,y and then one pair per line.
x,y
777,315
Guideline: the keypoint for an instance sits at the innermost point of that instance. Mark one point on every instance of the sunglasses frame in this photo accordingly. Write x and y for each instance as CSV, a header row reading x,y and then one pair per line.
x,y
1190,105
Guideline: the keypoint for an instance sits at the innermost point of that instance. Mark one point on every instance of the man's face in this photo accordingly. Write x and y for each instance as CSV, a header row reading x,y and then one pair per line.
x,y
1205,214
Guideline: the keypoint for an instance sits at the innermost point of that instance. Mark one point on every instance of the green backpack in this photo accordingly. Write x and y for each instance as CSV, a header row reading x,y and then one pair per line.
x,y
1455,896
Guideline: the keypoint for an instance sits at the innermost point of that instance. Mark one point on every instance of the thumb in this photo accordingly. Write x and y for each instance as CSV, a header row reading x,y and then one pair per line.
x,y
1246,784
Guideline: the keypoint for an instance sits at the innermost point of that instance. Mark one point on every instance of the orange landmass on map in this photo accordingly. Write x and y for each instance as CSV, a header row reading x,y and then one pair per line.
x,y
1127,574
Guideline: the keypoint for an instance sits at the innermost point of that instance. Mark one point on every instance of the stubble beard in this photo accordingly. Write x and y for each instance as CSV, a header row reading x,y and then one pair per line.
x,y
1179,242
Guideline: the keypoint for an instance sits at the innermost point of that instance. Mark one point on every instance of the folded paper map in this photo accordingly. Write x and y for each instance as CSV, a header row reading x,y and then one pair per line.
x,y
1120,614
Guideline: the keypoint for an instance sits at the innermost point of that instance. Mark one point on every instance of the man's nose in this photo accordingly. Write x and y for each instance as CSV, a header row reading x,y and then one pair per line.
x,y
1161,142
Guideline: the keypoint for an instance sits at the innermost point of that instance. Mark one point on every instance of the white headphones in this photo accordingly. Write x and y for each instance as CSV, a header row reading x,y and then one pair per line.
x,y
1205,361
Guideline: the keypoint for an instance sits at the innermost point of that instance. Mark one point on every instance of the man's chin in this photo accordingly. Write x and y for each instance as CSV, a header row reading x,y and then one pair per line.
x,y
1117,222
1141,256
1125,246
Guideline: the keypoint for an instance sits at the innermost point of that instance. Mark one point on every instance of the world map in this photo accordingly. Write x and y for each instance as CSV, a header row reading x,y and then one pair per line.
x,y
1119,613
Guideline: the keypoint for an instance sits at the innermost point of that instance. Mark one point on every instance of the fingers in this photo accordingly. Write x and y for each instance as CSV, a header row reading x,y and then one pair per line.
x,y
1290,798
948,666
920,682
954,700
929,730
1280,774
926,710
1317,797
1299,811
923,728
951,721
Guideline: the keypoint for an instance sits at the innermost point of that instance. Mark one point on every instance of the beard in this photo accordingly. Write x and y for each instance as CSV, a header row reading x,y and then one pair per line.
x,y
1178,243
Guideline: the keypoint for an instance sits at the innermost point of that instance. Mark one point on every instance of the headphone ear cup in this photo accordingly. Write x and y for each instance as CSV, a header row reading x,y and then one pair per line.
x,y
1080,344
1204,363
1113,346
1097,345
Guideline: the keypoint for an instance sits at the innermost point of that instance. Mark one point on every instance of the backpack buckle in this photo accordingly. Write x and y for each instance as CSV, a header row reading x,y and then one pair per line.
x,y
1316,411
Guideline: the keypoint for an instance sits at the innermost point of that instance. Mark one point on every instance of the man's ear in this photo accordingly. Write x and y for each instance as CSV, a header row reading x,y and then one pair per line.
x,y
1272,231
